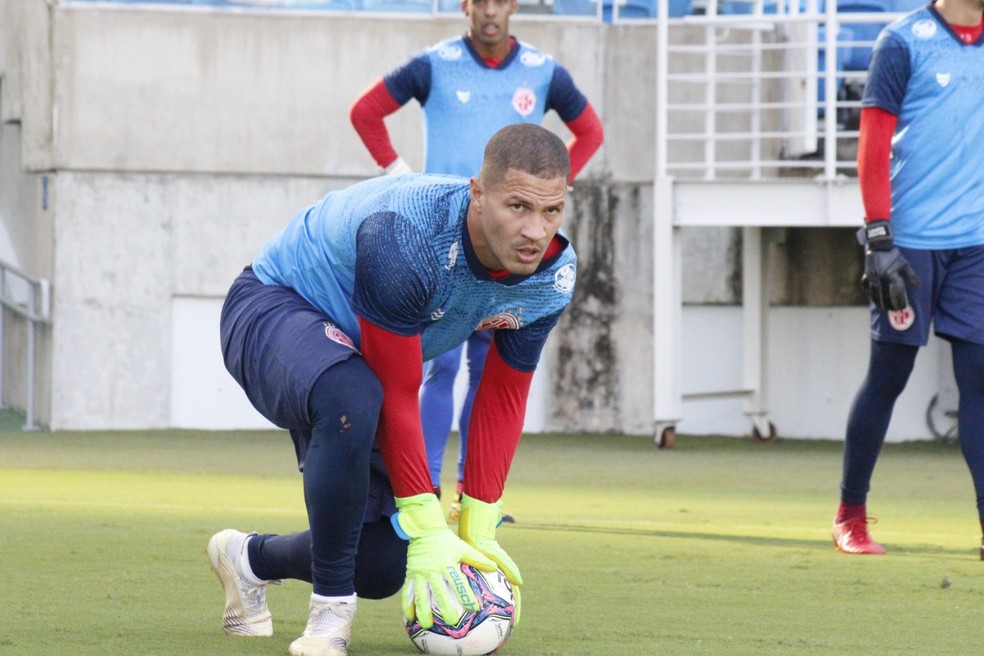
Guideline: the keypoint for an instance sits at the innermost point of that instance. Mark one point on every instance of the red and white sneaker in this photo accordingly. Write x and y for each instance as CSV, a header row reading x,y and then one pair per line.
x,y
851,536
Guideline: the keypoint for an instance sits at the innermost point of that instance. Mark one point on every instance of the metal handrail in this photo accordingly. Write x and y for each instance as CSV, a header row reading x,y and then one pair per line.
x,y
29,298
768,82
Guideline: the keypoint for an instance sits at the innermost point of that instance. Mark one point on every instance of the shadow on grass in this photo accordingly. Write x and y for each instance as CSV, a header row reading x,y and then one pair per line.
x,y
756,540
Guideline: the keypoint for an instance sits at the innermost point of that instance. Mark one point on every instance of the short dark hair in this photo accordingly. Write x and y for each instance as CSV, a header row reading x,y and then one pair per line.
x,y
525,147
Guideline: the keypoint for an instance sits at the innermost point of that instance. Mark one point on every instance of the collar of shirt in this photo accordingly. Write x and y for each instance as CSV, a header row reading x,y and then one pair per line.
x,y
967,33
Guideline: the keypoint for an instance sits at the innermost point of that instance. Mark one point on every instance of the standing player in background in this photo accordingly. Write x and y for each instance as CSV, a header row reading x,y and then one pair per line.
x,y
327,332
921,170
469,87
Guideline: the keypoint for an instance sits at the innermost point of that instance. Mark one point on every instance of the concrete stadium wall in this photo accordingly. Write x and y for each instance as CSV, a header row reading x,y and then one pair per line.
x,y
172,141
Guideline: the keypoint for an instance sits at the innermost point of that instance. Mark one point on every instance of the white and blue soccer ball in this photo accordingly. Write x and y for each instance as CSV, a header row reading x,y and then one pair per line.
x,y
472,633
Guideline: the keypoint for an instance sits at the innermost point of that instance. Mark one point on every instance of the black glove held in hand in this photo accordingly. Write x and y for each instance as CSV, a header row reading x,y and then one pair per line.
x,y
885,268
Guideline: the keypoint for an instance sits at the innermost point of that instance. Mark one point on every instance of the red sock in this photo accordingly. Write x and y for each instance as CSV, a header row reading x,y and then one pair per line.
x,y
461,488
982,527
847,511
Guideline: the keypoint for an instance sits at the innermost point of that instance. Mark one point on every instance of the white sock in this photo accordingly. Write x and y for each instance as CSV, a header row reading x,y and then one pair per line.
x,y
244,567
321,599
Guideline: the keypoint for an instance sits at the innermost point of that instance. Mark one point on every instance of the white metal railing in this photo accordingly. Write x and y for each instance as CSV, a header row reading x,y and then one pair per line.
x,y
758,95
29,299
369,6
747,97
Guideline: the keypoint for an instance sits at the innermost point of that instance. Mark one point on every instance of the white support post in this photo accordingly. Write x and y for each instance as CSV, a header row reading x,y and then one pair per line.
x,y
667,309
666,262
830,91
29,364
3,291
755,317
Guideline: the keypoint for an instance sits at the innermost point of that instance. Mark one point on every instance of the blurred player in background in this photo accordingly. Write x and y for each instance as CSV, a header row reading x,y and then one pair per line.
x,y
469,87
327,332
921,170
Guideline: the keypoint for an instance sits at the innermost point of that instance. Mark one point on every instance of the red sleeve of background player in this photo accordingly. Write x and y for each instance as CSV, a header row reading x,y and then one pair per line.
x,y
587,135
496,425
874,152
367,114
397,362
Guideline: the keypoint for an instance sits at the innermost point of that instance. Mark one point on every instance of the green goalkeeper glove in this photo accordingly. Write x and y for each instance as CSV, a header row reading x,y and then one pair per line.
x,y
477,527
434,560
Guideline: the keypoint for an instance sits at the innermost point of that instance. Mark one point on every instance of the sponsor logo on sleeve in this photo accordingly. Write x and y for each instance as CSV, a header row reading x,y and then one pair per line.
x,y
565,278
924,29
335,334
532,58
449,52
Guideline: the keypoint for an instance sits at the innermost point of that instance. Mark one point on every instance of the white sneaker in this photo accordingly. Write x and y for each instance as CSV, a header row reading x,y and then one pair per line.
x,y
328,632
246,611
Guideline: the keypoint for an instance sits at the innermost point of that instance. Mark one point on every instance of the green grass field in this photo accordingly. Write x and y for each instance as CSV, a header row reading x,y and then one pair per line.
x,y
719,546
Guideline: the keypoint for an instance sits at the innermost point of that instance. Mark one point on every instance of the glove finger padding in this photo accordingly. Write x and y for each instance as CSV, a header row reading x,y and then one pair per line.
x,y
434,559
420,595
448,589
885,275
516,605
898,297
909,274
889,294
477,525
417,598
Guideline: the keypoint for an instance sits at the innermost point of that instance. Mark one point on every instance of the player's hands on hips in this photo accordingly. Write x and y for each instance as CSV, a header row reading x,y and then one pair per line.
x,y
885,268
434,560
476,526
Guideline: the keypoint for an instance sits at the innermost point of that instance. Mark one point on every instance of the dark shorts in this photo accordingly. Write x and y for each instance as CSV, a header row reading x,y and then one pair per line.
x,y
276,345
950,297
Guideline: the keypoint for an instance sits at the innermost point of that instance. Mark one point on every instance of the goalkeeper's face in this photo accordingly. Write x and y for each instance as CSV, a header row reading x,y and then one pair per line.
x,y
513,221
488,23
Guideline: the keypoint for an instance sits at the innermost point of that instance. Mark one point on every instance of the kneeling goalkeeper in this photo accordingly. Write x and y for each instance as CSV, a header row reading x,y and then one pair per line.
x,y
327,332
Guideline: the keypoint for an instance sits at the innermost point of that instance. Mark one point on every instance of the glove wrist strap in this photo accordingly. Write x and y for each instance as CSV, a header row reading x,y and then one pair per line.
x,y
878,235
479,519
418,515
